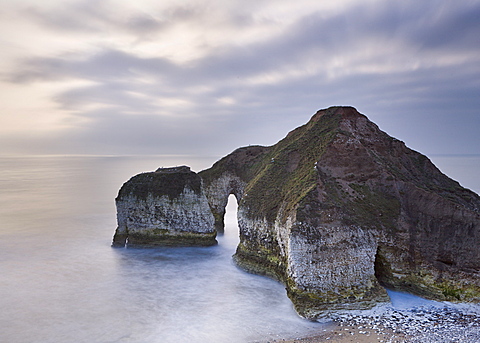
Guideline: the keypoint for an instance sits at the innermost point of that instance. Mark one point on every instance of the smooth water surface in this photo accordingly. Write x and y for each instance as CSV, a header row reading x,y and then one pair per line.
x,y
61,281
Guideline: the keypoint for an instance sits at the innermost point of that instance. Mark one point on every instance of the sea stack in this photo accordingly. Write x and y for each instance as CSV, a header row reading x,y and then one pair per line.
x,y
165,207
337,210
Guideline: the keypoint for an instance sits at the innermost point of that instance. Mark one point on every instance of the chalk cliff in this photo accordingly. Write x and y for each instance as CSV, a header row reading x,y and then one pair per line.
x,y
165,207
336,211
338,208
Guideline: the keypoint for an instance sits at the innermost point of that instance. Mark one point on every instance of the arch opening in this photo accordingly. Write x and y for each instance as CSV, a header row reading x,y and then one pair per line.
x,y
383,270
229,237
231,211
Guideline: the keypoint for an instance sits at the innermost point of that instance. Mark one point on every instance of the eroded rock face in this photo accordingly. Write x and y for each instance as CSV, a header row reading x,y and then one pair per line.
x,y
228,176
165,207
338,208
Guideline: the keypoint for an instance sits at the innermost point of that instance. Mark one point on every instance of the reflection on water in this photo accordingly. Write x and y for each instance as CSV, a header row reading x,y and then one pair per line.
x,y
61,281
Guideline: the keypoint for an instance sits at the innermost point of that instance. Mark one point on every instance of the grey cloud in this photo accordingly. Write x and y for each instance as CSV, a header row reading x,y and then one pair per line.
x,y
110,95
426,24
454,27
311,35
410,105
93,17
103,67
120,134
341,35
143,23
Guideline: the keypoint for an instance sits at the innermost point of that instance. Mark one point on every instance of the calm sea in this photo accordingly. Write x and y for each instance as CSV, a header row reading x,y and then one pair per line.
x,y
61,282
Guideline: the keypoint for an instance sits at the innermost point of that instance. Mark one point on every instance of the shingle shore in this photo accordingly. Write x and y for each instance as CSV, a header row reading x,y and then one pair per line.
x,y
423,324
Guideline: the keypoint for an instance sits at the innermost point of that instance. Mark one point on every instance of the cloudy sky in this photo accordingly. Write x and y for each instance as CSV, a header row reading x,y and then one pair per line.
x,y
207,76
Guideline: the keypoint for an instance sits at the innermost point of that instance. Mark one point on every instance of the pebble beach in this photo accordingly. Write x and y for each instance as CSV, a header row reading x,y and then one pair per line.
x,y
437,323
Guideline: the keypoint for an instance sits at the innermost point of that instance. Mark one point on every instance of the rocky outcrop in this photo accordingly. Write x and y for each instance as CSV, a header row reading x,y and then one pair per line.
x,y
338,208
228,176
165,207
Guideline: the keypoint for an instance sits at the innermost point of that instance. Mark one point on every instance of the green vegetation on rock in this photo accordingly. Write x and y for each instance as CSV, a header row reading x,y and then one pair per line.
x,y
333,210
158,184
288,171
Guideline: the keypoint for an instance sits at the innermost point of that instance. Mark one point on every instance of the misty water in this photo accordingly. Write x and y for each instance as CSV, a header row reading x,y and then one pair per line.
x,y
61,281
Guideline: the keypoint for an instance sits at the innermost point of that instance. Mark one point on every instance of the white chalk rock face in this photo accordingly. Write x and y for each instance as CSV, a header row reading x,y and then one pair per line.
x,y
165,207
337,209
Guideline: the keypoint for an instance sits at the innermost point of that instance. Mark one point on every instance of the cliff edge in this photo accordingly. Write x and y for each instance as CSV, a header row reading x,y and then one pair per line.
x,y
338,209
165,207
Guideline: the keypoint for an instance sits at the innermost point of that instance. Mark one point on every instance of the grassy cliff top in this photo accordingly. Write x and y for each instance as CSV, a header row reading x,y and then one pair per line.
x,y
161,183
243,162
288,170
339,162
